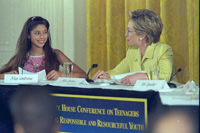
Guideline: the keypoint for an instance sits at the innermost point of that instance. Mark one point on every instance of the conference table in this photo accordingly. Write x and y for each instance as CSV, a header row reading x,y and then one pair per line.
x,y
112,108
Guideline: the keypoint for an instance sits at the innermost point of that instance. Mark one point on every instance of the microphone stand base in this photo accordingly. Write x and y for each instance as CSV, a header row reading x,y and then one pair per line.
x,y
89,80
171,85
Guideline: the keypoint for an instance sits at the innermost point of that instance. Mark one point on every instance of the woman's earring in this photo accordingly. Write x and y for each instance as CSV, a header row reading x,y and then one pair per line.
x,y
141,39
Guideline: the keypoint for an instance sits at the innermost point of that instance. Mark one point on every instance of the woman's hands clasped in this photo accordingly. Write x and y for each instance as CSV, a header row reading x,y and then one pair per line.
x,y
131,79
101,74
12,72
53,75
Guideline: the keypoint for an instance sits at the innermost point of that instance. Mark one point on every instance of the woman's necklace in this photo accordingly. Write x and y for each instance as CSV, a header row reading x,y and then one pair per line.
x,y
36,64
34,60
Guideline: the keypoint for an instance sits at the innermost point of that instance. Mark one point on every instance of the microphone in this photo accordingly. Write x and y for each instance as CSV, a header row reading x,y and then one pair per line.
x,y
91,68
172,85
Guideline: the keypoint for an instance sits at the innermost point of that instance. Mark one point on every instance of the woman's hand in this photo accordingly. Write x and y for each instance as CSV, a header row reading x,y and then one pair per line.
x,y
131,79
12,72
101,74
53,75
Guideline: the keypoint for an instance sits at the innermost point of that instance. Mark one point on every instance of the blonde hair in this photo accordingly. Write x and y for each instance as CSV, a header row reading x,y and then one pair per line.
x,y
147,22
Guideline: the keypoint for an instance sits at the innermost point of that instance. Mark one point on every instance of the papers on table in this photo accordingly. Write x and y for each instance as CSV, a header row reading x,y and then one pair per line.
x,y
107,81
184,94
69,82
141,85
179,97
77,82
118,77
41,74
176,96
25,77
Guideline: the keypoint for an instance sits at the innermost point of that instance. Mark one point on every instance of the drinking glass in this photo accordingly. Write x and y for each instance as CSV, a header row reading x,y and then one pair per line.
x,y
154,72
68,69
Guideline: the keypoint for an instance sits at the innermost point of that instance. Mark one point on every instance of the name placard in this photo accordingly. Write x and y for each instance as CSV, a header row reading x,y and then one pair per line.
x,y
151,85
21,78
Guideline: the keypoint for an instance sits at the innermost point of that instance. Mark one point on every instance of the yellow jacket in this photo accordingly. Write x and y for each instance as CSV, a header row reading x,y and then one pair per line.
x,y
156,54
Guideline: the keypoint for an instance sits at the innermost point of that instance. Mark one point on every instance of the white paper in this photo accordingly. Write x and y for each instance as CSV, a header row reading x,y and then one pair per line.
x,y
69,82
178,97
118,77
41,74
109,81
190,86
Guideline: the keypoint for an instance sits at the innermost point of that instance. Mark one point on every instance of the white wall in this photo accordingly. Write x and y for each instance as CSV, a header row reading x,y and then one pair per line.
x,y
80,41
67,20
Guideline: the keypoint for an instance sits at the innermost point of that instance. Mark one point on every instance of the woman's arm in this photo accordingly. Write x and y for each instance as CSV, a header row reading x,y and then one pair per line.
x,y
166,63
124,65
5,69
11,72
77,71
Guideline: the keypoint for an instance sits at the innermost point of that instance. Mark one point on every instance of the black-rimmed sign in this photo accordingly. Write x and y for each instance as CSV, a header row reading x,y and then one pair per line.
x,y
82,113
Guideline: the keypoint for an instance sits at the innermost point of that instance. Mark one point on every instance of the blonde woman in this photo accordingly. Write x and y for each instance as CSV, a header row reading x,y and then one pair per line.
x,y
143,35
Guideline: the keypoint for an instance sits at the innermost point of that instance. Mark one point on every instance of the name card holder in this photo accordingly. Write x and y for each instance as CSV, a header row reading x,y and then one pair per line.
x,y
151,85
21,78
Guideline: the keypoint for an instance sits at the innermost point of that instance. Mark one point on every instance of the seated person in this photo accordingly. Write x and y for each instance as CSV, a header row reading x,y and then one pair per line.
x,y
34,111
34,52
145,50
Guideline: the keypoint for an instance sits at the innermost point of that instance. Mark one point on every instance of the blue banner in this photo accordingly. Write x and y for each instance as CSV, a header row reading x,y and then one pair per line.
x,y
82,113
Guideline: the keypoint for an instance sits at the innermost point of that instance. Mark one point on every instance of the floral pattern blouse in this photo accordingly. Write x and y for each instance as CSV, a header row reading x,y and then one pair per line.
x,y
34,63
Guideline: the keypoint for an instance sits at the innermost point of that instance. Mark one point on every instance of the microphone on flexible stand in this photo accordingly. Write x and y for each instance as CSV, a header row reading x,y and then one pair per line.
x,y
172,85
91,68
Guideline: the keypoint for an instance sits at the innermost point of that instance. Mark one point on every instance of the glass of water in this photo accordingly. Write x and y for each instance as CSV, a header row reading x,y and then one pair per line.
x,y
154,72
68,69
